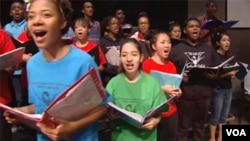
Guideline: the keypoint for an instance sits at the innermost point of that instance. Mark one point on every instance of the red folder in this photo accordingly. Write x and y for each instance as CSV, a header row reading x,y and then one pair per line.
x,y
73,104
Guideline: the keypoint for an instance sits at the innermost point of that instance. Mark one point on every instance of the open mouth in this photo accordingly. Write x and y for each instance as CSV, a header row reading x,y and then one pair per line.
x,y
166,50
129,66
79,33
17,15
39,35
195,34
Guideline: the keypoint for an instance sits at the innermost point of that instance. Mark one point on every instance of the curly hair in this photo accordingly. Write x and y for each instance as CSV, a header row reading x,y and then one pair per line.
x,y
105,22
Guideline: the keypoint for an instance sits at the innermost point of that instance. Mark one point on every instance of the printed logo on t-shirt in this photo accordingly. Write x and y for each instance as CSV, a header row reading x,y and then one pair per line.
x,y
117,47
194,59
132,105
46,98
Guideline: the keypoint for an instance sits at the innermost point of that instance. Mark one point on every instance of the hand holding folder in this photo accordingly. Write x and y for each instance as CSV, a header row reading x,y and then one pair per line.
x,y
167,78
136,119
73,104
215,70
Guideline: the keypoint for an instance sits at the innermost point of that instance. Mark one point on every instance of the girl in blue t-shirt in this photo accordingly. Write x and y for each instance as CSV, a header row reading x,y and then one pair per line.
x,y
53,69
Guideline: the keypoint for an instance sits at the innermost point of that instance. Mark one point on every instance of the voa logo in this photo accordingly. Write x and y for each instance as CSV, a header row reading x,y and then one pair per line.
x,y
236,132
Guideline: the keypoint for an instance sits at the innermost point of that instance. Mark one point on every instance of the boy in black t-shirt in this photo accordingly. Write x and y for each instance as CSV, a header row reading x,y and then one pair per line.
x,y
195,101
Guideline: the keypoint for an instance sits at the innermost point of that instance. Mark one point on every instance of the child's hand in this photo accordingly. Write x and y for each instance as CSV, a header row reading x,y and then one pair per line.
x,y
11,118
171,90
151,123
185,77
211,75
233,73
26,57
61,131
177,92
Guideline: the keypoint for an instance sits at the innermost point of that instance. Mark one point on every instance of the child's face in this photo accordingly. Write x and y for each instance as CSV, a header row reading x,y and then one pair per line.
x,y
224,43
162,46
114,26
45,22
143,24
193,30
120,14
212,8
88,9
81,31
130,58
17,11
176,32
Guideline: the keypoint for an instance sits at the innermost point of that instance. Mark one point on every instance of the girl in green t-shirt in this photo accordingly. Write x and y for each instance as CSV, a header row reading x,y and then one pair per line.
x,y
134,91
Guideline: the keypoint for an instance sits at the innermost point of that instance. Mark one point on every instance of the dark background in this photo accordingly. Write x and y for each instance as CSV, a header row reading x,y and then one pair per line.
x,y
159,12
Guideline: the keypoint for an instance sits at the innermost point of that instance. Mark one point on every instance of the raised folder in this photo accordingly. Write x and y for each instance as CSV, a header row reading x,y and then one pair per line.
x,y
136,119
211,24
73,104
229,68
217,69
242,71
167,78
11,58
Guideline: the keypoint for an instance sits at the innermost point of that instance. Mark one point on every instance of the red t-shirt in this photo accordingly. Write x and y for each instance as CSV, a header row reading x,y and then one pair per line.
x,y
6,45
95,51
148,65
140,36
23,37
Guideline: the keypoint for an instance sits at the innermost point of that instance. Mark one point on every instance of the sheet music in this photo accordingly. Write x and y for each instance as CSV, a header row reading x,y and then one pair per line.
x,y
113,56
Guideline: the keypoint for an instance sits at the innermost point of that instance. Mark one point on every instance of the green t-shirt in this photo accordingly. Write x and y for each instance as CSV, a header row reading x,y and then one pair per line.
x,y
138,97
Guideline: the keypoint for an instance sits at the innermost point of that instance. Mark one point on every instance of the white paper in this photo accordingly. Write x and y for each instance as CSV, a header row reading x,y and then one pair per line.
x,y
113,56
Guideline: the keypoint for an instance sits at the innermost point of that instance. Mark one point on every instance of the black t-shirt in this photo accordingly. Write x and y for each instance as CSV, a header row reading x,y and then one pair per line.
x,y
109,70
201,55
224,83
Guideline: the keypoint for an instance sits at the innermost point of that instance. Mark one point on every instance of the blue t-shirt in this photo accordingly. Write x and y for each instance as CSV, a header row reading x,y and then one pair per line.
x,y
47,80
15,29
